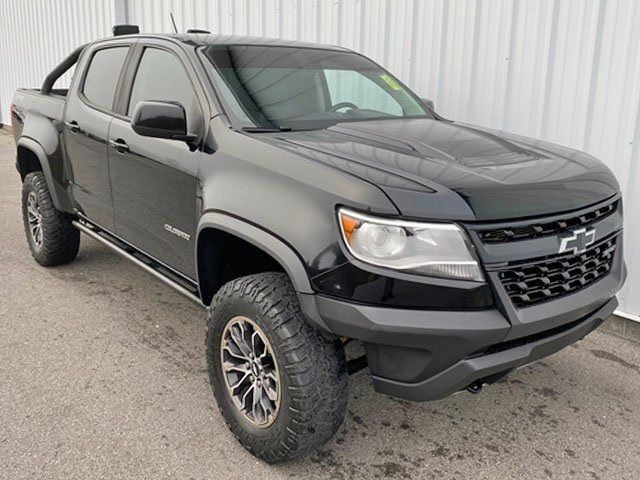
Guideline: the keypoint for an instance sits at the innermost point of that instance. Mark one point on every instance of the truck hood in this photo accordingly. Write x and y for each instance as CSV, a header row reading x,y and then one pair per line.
x,y
441,169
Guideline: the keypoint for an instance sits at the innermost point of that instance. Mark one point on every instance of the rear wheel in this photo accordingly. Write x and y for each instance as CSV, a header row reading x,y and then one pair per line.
x,y
52,239
281,386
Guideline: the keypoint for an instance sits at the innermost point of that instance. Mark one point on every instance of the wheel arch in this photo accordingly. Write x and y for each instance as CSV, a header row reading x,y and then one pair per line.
x,y
216,225
31,157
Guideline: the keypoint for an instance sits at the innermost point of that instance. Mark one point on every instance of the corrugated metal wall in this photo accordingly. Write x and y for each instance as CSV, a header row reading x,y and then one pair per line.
x,y
35,35
567,71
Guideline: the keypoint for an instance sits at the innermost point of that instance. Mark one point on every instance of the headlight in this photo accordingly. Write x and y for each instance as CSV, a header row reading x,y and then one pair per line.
x,y
439,249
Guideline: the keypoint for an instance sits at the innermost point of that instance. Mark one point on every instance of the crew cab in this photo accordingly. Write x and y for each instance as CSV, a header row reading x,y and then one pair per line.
x,y
307,199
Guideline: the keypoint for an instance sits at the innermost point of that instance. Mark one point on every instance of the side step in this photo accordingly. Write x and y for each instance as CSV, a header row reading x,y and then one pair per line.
x,y
150,265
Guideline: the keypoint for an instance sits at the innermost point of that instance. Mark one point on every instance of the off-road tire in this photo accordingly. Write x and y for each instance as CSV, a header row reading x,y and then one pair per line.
x,y
60,239
312,369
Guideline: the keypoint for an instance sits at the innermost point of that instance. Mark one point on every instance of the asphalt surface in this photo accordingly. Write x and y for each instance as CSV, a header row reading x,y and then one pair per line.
x,y
102,375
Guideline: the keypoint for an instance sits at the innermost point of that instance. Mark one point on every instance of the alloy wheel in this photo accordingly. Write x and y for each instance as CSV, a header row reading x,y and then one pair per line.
x,y
34,217
250,371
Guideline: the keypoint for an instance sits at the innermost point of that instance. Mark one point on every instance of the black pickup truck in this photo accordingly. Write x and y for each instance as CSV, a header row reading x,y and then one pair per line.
x,y
308,199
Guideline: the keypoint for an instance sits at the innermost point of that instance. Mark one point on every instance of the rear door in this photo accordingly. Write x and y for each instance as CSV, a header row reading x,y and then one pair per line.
x,y
154,181
89,110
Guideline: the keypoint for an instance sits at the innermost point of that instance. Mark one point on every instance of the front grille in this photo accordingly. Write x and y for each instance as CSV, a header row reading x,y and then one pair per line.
x,y
543,229
536,281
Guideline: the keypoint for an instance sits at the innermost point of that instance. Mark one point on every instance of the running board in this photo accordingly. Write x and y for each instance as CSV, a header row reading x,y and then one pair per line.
x,y
140,259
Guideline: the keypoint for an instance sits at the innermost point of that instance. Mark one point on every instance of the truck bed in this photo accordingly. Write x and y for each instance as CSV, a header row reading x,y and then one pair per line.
x,y
49,105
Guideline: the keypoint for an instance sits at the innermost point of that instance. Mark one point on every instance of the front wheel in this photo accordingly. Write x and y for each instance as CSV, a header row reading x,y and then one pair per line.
x,y
281,386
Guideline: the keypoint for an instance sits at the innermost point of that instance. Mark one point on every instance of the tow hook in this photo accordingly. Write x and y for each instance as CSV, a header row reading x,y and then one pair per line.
x,y
475,387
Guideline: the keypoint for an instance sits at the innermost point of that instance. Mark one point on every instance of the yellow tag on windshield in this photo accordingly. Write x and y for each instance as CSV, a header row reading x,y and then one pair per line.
x,y
390,81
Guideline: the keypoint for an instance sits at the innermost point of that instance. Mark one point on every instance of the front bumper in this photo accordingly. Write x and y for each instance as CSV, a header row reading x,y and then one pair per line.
x,y
498,361
426,355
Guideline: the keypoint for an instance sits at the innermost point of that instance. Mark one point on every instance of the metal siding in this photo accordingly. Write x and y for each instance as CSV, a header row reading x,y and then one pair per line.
x,y
36,35
567,71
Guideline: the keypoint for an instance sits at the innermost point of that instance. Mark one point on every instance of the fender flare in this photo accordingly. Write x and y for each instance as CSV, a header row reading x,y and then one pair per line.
x,y
279,250
58,195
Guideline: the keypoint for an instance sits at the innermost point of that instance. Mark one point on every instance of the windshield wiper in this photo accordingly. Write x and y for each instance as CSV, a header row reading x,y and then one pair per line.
x,y
266,129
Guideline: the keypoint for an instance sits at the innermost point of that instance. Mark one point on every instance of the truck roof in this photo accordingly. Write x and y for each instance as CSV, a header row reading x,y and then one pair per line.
x,y
203,39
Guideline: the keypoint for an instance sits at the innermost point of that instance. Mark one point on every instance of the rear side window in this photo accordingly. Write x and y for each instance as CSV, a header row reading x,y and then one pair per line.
x,y
162,77
102,76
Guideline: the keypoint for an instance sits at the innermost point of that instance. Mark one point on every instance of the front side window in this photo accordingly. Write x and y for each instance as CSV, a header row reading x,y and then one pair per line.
x,y
306,88
102,76
161,77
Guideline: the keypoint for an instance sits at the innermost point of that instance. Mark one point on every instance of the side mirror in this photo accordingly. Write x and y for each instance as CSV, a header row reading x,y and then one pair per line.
x,y
429,103
161,120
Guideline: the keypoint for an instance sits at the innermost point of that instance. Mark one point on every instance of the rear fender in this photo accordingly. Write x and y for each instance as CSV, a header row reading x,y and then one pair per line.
x,y
49,153
52,171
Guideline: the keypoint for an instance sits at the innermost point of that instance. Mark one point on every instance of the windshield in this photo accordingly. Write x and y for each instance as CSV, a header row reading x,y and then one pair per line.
x,y
269,87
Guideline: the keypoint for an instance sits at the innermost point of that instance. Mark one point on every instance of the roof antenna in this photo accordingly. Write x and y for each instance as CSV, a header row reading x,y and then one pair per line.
x,y
173,21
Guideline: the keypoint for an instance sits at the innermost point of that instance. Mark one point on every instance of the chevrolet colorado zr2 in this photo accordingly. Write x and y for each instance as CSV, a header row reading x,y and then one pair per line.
x,y
307,198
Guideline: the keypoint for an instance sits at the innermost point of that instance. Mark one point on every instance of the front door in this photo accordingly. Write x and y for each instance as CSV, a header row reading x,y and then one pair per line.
x,y
154,181
86,128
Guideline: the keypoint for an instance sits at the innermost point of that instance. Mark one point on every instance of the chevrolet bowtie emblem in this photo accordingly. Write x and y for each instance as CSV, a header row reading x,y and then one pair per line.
x,y
578,241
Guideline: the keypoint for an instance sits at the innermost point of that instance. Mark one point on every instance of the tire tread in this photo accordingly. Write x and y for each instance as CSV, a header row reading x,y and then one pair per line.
x,y
315,365
61,240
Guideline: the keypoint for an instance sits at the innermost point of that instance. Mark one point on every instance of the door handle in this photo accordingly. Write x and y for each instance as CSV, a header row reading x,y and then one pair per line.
x,y
120,145
73,126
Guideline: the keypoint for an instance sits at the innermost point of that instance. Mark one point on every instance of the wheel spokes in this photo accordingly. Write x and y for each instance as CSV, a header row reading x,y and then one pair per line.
x,y
231,367
39,234
33,212
237,335
250,371
244,397
257,415
239,356
265,404
34,218
239,382
270,390
258,346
